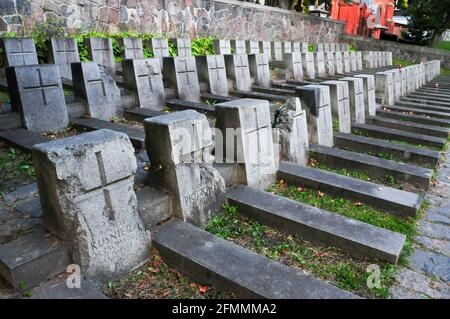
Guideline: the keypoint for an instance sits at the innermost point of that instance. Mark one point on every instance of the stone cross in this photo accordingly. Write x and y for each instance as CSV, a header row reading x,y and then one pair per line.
x,y
397,80
338,62
292,63
160,48
286,47
304,47
238,47
222,47
246,127
329,63
86,192
347,62
181,144
17,52
309,71
369,93
368,59
385,87
252,47
265,48
92,83
318,47
132,48
326,47
277,51
290,122
340,104
101,51
356,94
353,62
316,99
404,81
238,71
181,74
144,78
183,46
359,62
63,52
211,70
319,64
259,69
296,47
36,93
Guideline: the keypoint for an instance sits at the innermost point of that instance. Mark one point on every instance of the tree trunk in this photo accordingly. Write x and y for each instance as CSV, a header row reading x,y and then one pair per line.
x,y
436,39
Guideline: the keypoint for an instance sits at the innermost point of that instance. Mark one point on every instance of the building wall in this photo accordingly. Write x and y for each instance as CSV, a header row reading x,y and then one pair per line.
x,y
227,18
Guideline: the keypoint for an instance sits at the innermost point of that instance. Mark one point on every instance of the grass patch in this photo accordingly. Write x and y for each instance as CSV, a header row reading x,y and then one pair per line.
x,y
16,169
4,97
156,280
443,45
445,71
328,263
402,62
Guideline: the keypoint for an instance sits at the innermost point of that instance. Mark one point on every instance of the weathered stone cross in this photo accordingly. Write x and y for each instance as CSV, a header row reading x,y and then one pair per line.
x,y
65,51
21,52
216,68
42,87
187,72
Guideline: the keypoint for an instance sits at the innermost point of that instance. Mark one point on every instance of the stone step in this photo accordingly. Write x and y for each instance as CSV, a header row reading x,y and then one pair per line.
x,y
10,121
435,103
317,225
409,126
394,201
428,97
57,289
414,118
434,90
182,105
420,105
375,167
217,98
139,114
394,134
261,89
408,153
22,139
207,259
137,136
261,96
31,259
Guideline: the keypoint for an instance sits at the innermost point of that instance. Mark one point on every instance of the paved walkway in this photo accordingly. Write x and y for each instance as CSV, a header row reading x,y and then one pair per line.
x,y
428,272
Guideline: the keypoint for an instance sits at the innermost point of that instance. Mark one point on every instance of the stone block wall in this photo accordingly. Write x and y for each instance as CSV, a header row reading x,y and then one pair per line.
x,y
193,18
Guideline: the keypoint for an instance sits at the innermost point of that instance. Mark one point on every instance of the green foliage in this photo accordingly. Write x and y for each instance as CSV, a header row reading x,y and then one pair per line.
x,y
352,48
203,46
444,45
310,48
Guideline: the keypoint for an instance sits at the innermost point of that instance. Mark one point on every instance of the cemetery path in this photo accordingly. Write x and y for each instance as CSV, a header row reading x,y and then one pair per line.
x,y
428,272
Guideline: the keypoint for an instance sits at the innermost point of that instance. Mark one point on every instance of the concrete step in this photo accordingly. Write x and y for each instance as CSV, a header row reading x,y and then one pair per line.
x,y
409,126
31,259
414,118
216,98
10,121
139,114
260,95
317,225
137,136
208,259
413,100
424,106
181,105
409,154
396,134
57,289
22,139
272,90
418,111
428,97
375,167
394,201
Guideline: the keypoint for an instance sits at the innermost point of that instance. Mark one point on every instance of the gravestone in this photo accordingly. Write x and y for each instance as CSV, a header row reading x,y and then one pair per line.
x,y
368,59
344,47
338,62
183,46
238,47
290,123
369,93
404,81
259,69
316,99
319,64
347,62
132,48
63,52
329,63
181,144
359,63
238,71
17,52
318,47
385,88
277,51
143,76
309,71
356,97
180,73
86,192
222,47
212,72
266,48
252,47
292,63
397,80
296,47
376,59
286,47
101,52
92,83
247,140
353,62
304,47
389,58
160,48
36,93
340,104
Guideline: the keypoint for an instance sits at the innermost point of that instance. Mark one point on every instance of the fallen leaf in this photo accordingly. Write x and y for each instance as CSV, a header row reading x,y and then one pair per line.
x,y
192,285
357,204
300,189
282,183
203,289
321,194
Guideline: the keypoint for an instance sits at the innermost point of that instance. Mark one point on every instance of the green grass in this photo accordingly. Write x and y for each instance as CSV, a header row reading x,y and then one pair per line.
x,y
445,71
402,62
443,45
16,167
325,262
4,97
